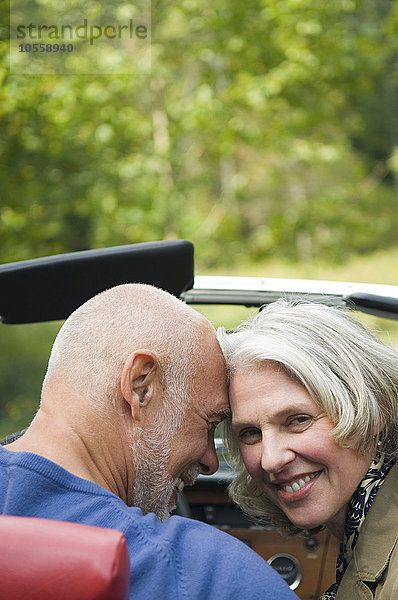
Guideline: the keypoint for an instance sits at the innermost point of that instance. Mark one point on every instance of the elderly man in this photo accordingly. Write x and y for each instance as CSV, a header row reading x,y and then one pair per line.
x,y
134,389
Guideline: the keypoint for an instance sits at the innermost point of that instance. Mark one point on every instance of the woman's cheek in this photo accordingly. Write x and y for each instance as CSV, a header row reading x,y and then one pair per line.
x,y
251,459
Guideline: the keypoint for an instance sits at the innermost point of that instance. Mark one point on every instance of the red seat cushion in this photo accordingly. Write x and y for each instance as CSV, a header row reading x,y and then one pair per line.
x,y
42,559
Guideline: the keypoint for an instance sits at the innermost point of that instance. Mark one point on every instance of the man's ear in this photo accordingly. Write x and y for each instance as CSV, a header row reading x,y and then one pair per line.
x,y
139,380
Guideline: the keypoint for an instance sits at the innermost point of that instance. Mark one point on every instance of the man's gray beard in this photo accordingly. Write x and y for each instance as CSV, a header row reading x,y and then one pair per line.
x,y
151,448
153,486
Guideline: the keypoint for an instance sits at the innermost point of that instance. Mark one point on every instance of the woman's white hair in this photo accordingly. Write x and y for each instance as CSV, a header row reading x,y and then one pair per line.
x,y
92,345
347,371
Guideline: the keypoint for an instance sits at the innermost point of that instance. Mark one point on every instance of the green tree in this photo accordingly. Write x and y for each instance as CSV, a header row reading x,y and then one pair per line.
x,y
268,124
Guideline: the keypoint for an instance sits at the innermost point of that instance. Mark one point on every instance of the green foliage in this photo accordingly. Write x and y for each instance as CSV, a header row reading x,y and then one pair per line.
x,y
266,123
24,352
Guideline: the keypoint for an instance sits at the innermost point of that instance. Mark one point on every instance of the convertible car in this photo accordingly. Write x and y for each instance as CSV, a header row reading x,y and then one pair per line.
x,y
48,289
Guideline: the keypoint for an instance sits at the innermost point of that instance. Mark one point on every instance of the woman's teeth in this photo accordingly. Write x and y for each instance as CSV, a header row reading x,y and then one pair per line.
x,y
296,485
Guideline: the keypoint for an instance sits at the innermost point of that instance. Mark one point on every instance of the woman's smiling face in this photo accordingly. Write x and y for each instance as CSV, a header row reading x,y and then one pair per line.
x,y
287,446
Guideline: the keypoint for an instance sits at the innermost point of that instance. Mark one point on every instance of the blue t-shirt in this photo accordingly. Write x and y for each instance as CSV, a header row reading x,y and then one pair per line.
x,y
181,559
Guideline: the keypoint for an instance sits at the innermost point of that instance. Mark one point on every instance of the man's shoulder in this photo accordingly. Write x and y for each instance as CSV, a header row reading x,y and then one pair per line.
x,y
205,560
182,556
53,492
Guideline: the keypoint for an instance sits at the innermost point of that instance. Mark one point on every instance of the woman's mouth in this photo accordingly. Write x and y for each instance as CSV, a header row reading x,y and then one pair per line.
x,y
297,484
296,489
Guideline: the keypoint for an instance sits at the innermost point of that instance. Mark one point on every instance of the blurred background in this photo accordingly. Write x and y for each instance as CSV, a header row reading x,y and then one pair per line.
x,y
266,134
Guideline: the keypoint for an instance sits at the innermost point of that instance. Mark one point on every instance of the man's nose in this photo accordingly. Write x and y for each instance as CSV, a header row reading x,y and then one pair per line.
x,y
209,461
276,453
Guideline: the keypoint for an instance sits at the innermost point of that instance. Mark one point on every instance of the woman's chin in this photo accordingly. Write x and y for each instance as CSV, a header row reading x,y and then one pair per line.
x,y
306,523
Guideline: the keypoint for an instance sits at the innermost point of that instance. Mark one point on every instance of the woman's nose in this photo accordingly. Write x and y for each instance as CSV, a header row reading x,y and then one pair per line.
x,y
276,453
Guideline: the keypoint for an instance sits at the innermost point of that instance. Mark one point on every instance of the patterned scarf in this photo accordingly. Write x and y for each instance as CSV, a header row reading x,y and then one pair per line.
x,y
358,507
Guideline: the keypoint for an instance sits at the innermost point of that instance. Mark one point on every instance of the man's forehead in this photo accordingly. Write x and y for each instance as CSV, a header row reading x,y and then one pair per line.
x,y
211,380
216,404
211,399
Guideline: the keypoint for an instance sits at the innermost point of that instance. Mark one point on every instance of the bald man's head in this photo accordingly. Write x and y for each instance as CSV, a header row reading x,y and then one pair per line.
x,y
93,344
134,389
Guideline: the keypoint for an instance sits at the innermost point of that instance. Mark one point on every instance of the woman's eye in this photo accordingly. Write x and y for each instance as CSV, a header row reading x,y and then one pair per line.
x,y
250,436
299,422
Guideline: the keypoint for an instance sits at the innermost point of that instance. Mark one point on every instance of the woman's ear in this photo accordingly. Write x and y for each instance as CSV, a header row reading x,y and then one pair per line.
x,y
139,381
378,436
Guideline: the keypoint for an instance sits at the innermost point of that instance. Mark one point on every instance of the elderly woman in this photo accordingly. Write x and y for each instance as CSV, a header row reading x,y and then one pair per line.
x,y
314,433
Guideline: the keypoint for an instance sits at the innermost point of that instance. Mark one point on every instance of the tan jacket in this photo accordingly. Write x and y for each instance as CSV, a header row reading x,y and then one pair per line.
x,y
373,570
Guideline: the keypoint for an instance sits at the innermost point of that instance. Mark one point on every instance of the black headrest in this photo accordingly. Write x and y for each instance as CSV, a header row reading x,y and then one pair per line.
x,y
51,288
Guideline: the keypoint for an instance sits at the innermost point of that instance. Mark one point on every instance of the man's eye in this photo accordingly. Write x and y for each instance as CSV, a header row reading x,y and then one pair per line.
x,y
250,436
